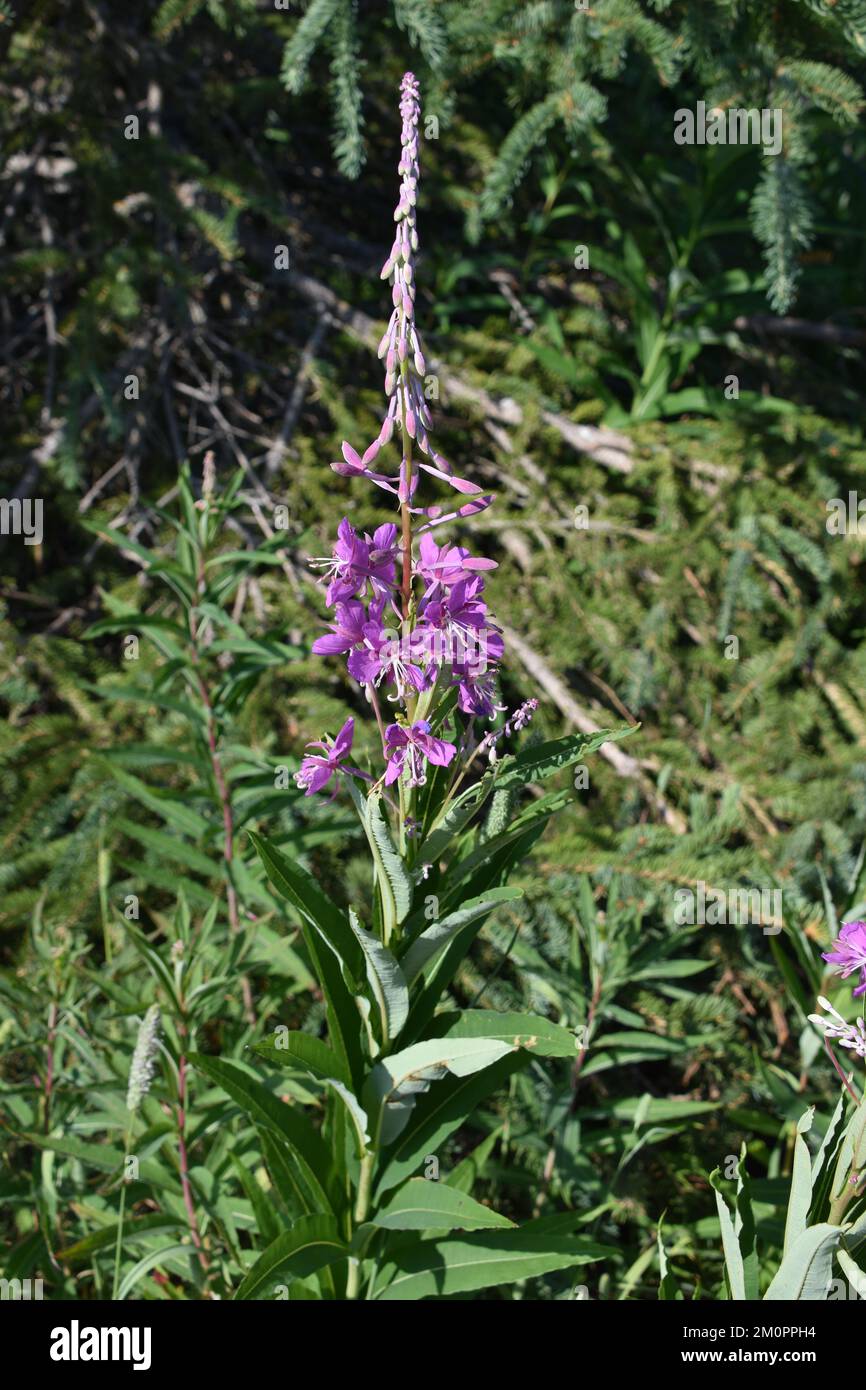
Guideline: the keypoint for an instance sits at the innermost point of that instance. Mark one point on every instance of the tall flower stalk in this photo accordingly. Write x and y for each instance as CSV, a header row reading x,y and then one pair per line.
x,y
401,1068
425,641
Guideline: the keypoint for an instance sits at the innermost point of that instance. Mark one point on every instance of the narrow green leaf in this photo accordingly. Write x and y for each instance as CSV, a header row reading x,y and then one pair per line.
x,y
448,1105
311,1243
438,1268
396,1081
437,936
302,1051
425,1205
386,980
539,1035
545,759
801,1183
393,870
807,1269
309,1152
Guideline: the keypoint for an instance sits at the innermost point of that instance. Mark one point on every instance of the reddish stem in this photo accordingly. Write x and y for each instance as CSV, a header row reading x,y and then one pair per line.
x,y
184,1165
222,792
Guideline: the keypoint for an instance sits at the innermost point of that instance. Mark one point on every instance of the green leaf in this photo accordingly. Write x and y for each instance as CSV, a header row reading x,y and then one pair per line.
x,y
165,804
103,1159
309,1153
539,1035
437,1268
168,846
302,1051
425,1205
801,1183
854,1274
356,1114
134,1230
386,980
730,1245
394,880
852,1150
394,1083
450,1104
471,1168
738,1235
332,947
177,1257
449,824
300,889
437,936
545,759
807,1269
486,877
310,1244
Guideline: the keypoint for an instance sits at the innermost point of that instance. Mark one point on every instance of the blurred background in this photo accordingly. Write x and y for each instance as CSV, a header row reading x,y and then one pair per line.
x,y
651,352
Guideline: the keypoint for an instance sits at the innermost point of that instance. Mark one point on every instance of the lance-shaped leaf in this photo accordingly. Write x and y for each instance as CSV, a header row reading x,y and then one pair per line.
x,y
539,1035
386,979
852,1150
310,1244
392,877
311,1159
422,1205
531,817
738,1235
393,871
301,1051
443,969
448,1105
303,892
331,944
545,759
395,1082
806,1271
801,1183
452,820
485,1259
437,936
356,1114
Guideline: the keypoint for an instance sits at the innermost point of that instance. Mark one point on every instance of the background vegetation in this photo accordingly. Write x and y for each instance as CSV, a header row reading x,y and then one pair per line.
x,y
645,517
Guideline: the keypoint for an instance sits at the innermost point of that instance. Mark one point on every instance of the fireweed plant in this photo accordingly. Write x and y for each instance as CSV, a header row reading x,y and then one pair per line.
x,y
373,1207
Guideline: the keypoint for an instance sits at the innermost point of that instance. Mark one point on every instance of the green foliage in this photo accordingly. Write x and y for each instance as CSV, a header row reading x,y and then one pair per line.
x,y
707,522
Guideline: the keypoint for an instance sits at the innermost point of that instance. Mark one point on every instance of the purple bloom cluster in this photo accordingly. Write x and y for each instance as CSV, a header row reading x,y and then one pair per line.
x,y
849,953
451,636
409,614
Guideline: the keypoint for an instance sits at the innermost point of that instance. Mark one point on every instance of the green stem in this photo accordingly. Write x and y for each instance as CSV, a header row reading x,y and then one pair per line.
x,y
119,1242
362,1206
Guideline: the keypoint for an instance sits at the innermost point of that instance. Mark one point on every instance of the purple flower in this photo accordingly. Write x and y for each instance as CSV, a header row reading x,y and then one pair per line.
x,y
850,953
408,749
316,771
354,465
350,623
382,655
446,564
361,561
477,695
463,635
